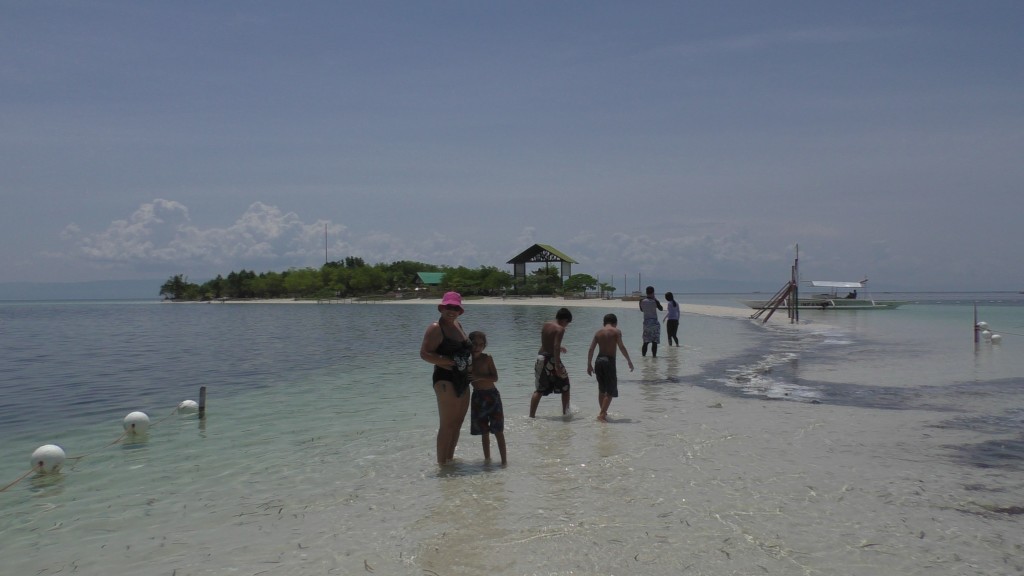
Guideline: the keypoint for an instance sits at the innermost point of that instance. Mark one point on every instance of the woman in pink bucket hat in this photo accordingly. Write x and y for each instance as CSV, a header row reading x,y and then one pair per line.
x,y
446,346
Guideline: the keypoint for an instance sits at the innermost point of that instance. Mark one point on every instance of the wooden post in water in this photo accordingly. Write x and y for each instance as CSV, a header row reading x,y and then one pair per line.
x,y
202,402
976,331
794,302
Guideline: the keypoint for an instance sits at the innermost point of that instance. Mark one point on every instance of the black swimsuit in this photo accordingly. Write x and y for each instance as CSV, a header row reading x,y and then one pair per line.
x,y
461,351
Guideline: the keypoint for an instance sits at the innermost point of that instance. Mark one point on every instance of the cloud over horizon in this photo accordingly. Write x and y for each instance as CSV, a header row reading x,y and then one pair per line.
x,y
680,141
160,236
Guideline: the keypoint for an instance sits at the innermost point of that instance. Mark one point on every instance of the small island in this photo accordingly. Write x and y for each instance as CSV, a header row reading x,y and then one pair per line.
x,y
354,278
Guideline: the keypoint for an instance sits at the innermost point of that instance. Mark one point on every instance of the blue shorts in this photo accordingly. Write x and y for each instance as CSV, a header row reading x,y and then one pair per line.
x,y
485,412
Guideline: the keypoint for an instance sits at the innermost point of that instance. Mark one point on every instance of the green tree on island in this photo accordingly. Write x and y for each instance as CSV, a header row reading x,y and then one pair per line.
x,y
353,277
579,283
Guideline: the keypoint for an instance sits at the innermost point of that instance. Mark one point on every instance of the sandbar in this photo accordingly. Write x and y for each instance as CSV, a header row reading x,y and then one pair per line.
x,y
551,301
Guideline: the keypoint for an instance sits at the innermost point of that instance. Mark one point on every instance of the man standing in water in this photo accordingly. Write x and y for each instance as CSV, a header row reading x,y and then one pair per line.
x,y
550,375
652,327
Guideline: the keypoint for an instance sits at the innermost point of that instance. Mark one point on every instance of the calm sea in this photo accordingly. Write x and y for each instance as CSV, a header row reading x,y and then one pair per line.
x,y
871,442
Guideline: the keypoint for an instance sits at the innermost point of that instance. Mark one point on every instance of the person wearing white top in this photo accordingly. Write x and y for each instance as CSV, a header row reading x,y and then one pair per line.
x,y
672,319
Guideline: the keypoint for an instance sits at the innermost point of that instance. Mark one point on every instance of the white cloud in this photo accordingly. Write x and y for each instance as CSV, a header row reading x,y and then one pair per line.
x,y
160,236
161,232
160,239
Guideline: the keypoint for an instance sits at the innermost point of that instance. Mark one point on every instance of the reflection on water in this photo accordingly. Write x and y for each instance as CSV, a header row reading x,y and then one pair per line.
x,y
316,453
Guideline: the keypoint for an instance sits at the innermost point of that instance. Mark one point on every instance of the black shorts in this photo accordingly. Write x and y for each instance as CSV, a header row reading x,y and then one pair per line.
x,y
607,379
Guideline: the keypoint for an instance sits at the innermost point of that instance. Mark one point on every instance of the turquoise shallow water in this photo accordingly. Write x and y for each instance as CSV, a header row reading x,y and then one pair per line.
x,y
852,443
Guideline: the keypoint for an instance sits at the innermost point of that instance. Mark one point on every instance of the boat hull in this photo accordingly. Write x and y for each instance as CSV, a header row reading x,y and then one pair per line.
x,y
832,304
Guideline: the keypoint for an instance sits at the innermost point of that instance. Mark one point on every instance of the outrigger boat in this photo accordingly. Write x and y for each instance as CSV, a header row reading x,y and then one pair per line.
x,y
838,296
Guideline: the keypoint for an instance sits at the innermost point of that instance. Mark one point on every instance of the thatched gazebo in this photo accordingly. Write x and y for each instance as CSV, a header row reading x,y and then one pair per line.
x,y
541,253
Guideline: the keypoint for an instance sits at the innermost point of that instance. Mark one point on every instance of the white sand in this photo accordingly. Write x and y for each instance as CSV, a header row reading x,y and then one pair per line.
x,y
552,301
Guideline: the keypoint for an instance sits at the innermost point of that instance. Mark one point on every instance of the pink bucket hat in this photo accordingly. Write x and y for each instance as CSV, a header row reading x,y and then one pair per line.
x,y
451,299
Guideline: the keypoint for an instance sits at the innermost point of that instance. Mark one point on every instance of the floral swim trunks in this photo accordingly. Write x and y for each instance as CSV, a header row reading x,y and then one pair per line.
x,y
549,377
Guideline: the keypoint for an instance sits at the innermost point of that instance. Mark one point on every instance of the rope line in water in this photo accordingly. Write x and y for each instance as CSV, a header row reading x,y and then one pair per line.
x,y
118,439
77,458
23,476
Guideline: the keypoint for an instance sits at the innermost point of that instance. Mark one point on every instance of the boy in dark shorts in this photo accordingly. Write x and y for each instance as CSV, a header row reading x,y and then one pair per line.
x,y
486,415
606,340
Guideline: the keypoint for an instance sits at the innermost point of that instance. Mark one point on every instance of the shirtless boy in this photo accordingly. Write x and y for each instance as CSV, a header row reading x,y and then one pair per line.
x,y
606,340
549,373
486,414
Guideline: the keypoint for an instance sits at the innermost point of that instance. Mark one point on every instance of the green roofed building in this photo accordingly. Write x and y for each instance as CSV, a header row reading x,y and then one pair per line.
x,y
429,279
541,253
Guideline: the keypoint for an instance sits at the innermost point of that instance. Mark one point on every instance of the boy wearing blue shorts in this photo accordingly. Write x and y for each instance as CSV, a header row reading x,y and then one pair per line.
x,y
485,412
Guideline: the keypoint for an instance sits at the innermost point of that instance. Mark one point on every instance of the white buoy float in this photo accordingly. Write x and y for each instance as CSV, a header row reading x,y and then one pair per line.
x,y
986,335
48,458
996,339
982,325
136,423
188,407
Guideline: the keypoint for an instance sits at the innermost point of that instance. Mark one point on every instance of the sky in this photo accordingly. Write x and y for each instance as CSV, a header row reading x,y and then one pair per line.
x,y
674,143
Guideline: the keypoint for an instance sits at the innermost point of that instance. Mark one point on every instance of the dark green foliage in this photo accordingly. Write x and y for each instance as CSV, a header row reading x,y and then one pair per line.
x,y
351,277
580,283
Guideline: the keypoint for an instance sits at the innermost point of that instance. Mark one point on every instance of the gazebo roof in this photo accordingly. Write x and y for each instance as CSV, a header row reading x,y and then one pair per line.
x,y
541,253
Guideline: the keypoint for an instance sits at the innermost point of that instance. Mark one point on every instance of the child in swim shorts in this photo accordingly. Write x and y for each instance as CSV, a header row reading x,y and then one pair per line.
x,y
606,341
485,412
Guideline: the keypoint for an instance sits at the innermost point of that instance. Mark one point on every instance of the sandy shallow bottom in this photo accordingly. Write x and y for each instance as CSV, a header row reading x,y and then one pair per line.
x,y
680,482
330,473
